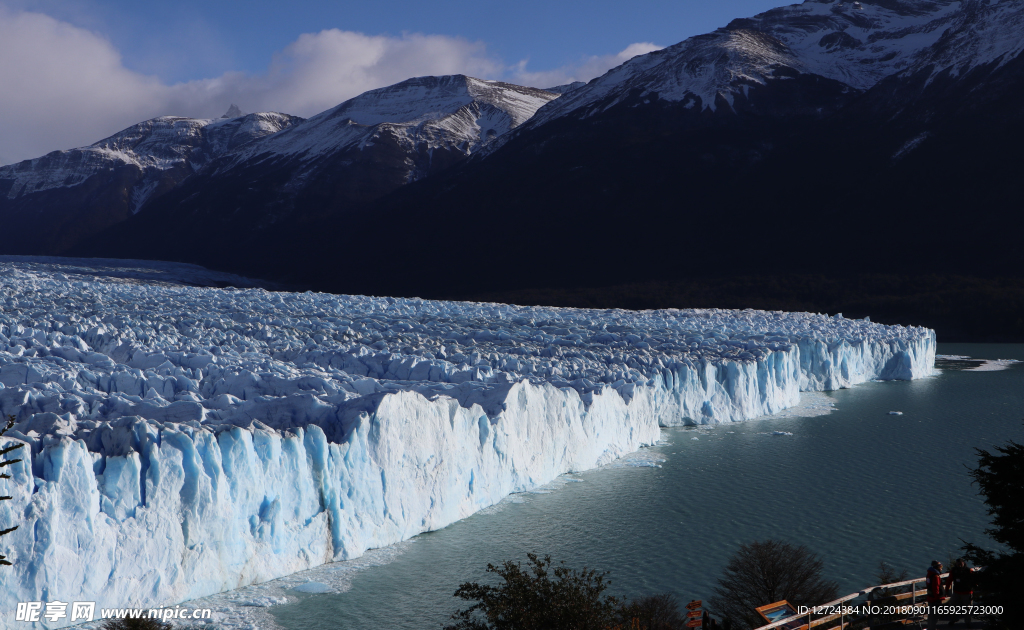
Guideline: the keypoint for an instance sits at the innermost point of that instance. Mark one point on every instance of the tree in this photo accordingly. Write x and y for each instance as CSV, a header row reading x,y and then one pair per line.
x,y
883,597
1000,477
768,571
539,597
657,612
3,464
887,574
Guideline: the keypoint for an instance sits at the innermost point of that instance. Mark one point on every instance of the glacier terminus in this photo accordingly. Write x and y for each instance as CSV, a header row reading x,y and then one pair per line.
x,y
187,440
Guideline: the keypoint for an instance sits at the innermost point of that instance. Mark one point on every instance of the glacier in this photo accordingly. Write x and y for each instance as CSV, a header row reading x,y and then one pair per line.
x,y
186,440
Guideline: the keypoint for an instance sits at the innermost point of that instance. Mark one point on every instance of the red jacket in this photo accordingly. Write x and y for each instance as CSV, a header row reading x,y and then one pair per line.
x,y
933,580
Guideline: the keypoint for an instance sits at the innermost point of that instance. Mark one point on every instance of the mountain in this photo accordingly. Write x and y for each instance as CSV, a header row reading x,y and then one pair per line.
x,y
825,137
249,172
852,43
354,153
567,87
63,197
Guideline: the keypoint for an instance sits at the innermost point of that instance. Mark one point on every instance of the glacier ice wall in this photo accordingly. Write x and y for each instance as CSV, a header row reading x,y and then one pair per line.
x,y
184,441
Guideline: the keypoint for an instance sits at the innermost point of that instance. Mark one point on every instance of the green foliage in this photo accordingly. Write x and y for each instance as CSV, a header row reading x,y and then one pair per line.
x,y
4,464
884,597
765,572
887,574
657,612
999,477
538,597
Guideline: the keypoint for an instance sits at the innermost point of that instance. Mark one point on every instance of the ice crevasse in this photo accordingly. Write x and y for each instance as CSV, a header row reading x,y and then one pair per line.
x,y
183,441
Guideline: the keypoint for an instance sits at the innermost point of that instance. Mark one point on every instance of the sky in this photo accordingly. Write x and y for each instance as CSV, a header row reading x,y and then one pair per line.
x,y
73,72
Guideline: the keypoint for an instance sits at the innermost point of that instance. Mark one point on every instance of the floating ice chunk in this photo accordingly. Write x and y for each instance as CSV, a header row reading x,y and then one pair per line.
x,y
895,413
782,433
644,458
995,365
265,601
956,361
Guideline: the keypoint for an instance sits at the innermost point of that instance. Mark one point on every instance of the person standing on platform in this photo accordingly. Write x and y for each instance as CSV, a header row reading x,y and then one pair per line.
x,y
961,582
933,582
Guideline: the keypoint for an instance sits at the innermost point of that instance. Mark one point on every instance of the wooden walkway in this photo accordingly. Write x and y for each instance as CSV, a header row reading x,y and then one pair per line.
x,y
879,600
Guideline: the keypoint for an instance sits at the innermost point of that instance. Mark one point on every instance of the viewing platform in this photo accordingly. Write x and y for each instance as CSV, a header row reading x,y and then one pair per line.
x,y
883,607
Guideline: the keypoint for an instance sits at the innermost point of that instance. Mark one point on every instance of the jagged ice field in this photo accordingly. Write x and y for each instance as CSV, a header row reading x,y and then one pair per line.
x,y
183,441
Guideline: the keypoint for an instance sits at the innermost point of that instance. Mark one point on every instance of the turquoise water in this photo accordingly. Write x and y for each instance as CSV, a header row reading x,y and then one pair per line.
x,y
856,486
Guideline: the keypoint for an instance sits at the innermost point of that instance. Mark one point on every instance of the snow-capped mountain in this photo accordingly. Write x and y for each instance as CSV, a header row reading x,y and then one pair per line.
x,y
854,43
407,131
272,192
751,131
156,148
856,124
357,151
65,197
456,113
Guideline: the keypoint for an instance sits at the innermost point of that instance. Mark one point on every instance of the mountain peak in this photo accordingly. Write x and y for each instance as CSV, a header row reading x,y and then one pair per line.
x,y
431,98
233,112
854,43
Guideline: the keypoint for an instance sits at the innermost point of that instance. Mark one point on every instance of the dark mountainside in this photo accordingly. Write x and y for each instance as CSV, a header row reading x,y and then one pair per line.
x,y
797,191
903,205
246,176
814,204
57,201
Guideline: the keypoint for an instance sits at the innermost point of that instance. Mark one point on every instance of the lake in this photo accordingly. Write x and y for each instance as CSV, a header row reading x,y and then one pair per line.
x,y
857,486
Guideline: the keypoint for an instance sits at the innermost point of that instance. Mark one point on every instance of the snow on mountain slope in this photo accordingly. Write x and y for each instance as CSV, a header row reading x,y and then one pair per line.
x,y
184,441
568,87
153,146
454,112
982,32
855,43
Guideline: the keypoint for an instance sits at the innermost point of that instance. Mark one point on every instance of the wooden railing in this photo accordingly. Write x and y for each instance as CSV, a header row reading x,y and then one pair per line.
x,y
844,603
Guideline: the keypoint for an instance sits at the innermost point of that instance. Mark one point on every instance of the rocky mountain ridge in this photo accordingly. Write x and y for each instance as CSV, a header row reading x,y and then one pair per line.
x,y
816,122
390,136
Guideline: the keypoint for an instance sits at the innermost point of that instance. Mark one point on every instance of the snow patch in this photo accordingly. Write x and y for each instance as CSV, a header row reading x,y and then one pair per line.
x,y
910,145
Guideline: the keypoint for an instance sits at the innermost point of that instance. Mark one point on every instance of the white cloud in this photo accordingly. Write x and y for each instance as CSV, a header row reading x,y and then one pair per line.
x,y
585,70
320,70
65,86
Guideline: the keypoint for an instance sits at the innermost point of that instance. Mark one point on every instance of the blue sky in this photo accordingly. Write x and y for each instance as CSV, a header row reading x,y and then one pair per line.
x,y
77,70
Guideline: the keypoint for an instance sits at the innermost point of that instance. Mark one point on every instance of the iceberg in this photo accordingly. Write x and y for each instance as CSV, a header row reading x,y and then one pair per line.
x,y
184,441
